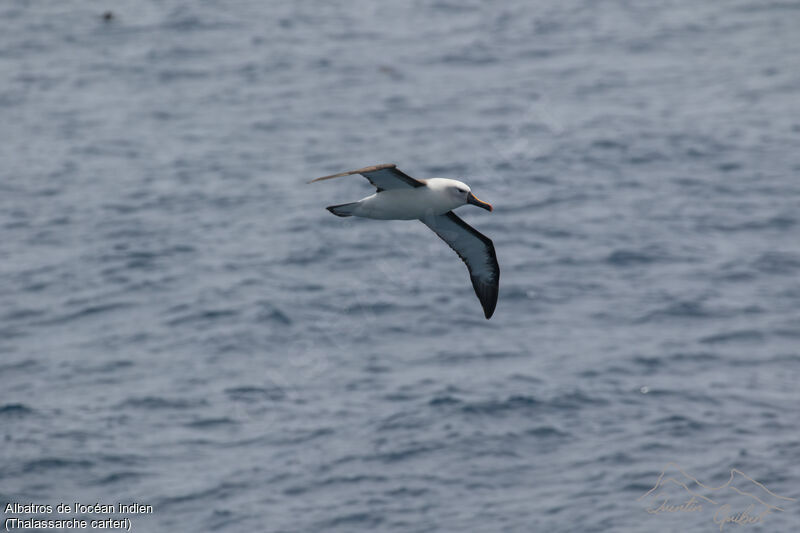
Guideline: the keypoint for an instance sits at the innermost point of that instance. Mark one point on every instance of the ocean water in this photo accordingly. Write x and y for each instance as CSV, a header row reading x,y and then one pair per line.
x,y
183,325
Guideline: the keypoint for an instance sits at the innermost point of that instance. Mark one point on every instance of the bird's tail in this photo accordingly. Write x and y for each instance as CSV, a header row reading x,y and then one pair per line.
x,y
343,210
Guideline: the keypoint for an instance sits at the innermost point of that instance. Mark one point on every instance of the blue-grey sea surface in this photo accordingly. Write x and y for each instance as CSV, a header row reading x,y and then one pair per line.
x,y
184,325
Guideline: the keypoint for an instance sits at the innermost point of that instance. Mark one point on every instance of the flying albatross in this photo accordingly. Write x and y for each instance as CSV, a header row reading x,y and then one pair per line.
x,y
431,201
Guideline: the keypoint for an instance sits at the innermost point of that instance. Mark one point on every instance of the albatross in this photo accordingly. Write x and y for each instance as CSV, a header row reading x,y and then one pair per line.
x,y
431,201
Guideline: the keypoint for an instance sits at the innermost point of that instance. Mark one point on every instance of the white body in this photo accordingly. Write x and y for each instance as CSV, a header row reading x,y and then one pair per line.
x,y
437,198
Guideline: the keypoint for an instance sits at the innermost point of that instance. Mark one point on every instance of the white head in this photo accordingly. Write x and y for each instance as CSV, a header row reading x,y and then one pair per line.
x,y
457,191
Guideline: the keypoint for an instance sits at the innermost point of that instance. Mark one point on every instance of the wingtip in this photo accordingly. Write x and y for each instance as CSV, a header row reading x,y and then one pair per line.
x,y
487,295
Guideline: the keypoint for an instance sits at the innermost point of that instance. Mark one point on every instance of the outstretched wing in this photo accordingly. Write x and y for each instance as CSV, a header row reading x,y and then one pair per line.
x,y
476,250
383,177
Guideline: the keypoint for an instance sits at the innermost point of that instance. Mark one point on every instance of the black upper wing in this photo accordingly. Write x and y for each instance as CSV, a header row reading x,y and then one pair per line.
x,y
476,250
383,177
